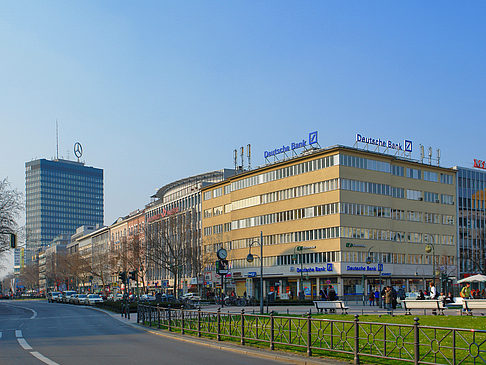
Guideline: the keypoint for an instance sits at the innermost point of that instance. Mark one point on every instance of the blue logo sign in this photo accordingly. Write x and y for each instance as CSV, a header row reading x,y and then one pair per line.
x,y
251,274
292,146
408,145
316,269
329,267
313,137
380,267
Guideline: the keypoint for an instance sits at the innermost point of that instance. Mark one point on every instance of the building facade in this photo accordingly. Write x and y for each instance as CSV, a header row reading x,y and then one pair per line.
x,y
177,207
340,216
471,219
61,195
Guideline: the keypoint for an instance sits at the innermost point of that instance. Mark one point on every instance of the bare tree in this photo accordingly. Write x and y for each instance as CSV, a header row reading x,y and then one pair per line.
x,y
11,205
101,266
171,246
29,276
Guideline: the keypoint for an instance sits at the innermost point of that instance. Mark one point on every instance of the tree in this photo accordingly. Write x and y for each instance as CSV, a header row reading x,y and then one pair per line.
x,y
172,247
29,276
11,205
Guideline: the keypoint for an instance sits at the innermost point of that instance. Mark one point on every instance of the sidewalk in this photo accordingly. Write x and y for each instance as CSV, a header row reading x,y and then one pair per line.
x,y
287,358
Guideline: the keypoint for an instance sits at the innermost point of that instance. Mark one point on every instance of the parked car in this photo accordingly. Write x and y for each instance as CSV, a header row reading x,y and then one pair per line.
x,y
79,298
52,296
92,299
147,298
66,295
191,296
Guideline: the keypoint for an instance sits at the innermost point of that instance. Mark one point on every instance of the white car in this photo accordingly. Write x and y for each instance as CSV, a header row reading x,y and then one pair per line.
x,y
191,296
92,299
147,298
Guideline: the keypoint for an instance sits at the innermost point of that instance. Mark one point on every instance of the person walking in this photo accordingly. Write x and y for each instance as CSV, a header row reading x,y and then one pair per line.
x,y
466,291
388,299
371,299
377,297
432,290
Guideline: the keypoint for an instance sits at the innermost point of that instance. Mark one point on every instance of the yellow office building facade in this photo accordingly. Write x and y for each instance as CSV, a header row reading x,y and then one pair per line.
x,y
340,216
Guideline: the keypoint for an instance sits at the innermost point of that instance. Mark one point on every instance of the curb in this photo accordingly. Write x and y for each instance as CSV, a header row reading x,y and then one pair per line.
x,y
259,353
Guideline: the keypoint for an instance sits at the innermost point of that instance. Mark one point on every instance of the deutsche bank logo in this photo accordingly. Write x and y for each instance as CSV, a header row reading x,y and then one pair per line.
x,y
408,145
313,137
380,267
329,267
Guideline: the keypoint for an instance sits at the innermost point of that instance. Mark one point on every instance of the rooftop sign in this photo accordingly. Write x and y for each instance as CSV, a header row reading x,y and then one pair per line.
x,y
480,164
406,146
293,146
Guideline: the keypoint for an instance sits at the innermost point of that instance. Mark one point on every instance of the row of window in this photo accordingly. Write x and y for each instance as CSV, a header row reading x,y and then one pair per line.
x,y
348,257
387,235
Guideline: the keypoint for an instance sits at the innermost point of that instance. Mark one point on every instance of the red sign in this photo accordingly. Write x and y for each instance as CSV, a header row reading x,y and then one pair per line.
x,y
480,164
164,213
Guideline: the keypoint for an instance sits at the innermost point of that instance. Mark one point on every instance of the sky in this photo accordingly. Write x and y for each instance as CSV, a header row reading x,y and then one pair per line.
x,y
156,91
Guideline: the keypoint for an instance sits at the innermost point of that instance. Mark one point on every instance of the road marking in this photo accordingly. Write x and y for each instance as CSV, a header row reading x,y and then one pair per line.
x,y
34,313
18,333
42,358
24,344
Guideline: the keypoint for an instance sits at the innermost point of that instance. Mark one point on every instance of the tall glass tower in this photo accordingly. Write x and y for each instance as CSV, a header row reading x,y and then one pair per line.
x,y
471,221
60,196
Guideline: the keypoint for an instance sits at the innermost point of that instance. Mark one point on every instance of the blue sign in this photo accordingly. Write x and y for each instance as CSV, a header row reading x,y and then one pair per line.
x,y
251,274
292,146
386,143
365,268
315,269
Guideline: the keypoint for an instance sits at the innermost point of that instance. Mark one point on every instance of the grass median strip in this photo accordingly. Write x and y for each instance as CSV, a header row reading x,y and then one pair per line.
x,y
382,339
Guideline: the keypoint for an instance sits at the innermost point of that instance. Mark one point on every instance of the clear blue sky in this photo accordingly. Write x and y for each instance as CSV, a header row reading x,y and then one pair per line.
x,y
158,91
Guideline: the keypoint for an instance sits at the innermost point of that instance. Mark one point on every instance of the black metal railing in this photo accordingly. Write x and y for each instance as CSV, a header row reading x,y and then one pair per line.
x,y
395,342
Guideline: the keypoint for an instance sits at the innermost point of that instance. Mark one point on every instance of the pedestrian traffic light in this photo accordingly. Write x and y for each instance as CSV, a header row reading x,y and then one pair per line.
x,y
123,276
222,267
133,275
13,240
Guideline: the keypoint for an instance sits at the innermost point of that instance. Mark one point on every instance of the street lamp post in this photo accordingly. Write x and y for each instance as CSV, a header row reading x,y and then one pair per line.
x,y
431,248
369,260
294,257
250,258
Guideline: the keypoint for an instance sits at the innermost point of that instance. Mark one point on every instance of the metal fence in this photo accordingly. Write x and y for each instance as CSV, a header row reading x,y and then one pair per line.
x,y
394,342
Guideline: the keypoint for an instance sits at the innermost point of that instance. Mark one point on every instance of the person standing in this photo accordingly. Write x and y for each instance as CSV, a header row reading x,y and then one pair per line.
x,y
371,299
466,291
388,299
432,290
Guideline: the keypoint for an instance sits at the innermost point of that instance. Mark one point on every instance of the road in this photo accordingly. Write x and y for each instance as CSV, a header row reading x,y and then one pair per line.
x,y
37,332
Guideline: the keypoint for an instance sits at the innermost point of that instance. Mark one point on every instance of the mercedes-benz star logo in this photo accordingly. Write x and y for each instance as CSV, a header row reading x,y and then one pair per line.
x,y
78,149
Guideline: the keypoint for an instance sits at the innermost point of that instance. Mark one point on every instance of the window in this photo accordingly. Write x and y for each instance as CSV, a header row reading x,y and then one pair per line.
x,y
430,176
446,179
447,199
207,195
413,173
217,211
431,197
398,170
207,213
217,192
414,194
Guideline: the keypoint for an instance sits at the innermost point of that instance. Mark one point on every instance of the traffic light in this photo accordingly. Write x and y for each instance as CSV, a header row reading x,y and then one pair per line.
x,y
222,267
13,240
123,276
133,275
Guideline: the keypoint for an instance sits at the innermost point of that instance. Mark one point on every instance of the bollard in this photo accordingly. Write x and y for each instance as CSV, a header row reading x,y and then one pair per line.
x,y
416,340
356,339
309,334
218,336
242,339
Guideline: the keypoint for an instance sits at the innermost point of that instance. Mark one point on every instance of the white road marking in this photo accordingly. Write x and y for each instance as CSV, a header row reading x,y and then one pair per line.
x,y
34,313
24,344
42,358
18,333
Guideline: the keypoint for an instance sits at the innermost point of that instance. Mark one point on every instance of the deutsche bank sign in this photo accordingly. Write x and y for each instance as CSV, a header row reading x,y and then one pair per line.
x,y
292,146
405,146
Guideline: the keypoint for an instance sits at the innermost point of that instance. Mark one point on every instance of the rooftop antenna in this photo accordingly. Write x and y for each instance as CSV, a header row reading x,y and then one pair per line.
x,y
430,155
421,153
242,153
235,158
248,155
438,156
57,141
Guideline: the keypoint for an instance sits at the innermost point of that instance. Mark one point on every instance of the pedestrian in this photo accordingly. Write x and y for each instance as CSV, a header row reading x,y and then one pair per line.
x,y
421,295
377,297
394,297
371,299
388,299
466,291
331,296
433,291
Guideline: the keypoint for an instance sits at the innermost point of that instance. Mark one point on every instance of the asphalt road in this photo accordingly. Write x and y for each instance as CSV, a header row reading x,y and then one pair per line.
x,y
37,332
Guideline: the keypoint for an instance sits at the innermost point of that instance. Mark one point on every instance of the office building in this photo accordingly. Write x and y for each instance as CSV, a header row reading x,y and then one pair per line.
x,y
471,219
61,195
341,216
